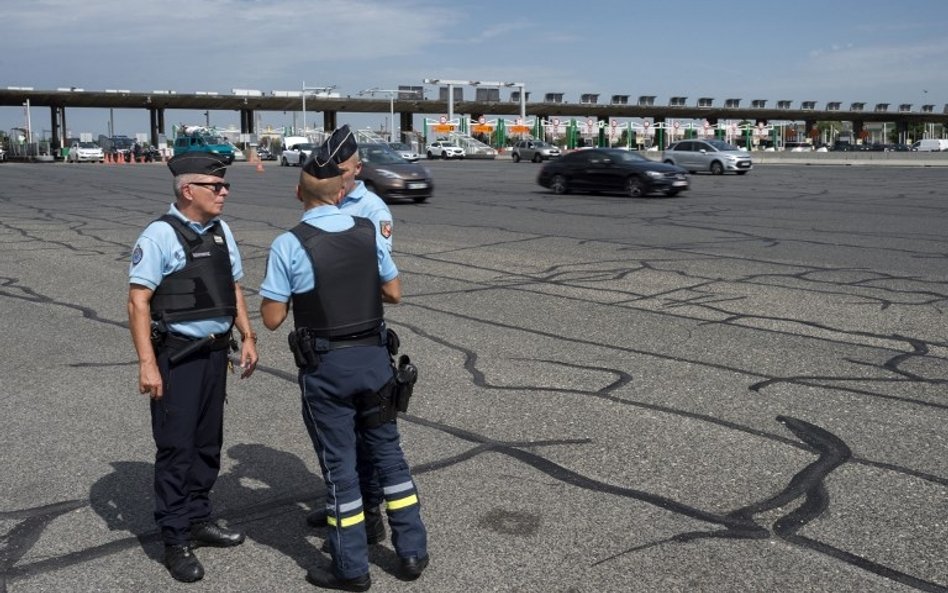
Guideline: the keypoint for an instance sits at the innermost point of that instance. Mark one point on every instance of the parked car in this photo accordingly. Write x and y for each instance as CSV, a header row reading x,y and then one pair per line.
x,y
405,151
85,152
391,177
444,149
265,154
296,154
611,170
716,156
3,155
533,150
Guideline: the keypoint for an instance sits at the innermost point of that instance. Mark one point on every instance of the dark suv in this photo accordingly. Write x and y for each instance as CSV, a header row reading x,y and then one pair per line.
x,y
534,150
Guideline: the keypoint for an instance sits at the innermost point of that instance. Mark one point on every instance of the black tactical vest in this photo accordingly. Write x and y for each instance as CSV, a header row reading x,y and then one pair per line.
x,y
204,287
346,300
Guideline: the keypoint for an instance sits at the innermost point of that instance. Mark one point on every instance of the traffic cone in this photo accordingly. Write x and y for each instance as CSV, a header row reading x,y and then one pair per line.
x,y
108,158
259,167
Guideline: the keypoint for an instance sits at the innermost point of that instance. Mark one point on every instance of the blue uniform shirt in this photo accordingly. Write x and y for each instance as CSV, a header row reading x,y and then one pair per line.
x,y
158,253
362,202
289,270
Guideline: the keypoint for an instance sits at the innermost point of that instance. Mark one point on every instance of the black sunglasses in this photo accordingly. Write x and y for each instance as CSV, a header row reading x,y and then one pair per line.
x,y
216,186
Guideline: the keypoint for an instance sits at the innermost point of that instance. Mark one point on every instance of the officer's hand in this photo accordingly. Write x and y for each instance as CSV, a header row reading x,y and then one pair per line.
x,y
149,380
248,358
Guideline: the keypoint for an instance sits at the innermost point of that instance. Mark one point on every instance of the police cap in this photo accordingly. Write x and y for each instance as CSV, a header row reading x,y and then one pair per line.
x,y
321,165
199,163
341,144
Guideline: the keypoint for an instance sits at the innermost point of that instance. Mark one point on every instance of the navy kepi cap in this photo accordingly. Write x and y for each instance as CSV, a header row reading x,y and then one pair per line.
x,y
321,165
341,144
199,163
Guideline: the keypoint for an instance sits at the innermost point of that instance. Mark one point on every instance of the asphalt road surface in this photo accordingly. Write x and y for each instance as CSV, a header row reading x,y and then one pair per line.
x,y
743,388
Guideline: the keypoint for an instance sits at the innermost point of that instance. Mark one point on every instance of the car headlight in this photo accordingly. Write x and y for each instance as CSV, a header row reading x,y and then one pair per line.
x,y
387,173
427,172
655,174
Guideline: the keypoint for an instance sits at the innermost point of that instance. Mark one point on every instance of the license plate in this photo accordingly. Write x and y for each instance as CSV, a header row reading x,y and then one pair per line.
x,y
679,183
417,185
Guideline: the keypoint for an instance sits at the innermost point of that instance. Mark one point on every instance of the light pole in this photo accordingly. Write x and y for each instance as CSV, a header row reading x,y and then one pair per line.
x,y
324,89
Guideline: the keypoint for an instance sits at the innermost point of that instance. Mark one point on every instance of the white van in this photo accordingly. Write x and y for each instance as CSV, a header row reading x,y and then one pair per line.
x,y
930,145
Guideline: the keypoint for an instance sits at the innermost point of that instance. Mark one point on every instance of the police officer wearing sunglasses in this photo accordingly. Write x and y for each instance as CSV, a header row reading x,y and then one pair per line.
x,y
184,301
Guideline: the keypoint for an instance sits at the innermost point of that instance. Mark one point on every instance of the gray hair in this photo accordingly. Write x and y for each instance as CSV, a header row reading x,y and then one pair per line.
x,y
180,181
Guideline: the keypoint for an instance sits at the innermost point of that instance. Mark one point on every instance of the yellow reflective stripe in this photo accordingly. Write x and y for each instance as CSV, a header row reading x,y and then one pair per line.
x,y
346,521
400,503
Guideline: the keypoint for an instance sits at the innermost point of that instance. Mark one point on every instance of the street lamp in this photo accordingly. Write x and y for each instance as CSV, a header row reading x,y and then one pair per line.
x,y
324,89
391,106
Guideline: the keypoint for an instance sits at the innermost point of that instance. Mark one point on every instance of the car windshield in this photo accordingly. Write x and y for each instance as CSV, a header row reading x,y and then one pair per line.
x,y
722,145
122,142
88,145
400,146
378,155
214,140
542,144
305,146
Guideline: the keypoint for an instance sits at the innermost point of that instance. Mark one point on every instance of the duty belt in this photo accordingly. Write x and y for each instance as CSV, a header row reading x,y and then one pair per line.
x,y
307,346
181,347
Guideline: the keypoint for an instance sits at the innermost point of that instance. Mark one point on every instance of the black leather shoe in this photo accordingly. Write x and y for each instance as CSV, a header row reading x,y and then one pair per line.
x,y
328,580
317,518
183,564
213,535
413,566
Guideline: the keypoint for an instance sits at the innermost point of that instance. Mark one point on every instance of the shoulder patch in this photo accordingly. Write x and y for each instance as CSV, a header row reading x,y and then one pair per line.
x,y
136,255
385,227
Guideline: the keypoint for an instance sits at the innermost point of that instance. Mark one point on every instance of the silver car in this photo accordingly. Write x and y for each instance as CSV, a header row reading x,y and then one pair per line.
x,y
533,150
716,156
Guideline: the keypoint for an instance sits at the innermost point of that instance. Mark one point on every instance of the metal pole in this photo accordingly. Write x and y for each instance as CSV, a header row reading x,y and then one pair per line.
x,y
450,102
29,124
391,113
304,107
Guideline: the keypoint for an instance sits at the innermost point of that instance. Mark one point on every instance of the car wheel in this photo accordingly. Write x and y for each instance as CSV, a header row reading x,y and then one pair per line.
x,y
283,162
559,185
717,168
537,158
515,157
671,193
420,199
742,172
669,162
430,156
634,187
444,155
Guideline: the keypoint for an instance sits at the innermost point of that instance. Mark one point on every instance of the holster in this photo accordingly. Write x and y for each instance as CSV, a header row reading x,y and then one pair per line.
x,y
375,409
406,374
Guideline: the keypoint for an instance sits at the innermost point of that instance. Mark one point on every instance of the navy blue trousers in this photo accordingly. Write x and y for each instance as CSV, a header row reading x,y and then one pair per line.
x,y
329,395
188,427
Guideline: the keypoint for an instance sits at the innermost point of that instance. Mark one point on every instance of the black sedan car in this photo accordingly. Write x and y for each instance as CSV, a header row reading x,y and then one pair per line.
x,y
611,170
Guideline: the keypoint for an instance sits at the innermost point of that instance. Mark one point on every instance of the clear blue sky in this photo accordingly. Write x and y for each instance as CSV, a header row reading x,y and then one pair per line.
x,y
893,51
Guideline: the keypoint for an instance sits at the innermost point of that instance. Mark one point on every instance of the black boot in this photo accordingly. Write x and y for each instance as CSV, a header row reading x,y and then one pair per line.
x,y
328,580
413,566
212,534
183,564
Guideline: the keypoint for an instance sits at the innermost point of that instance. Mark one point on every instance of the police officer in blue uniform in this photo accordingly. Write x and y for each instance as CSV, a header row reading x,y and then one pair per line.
x,y
361,202
183,301
336,271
